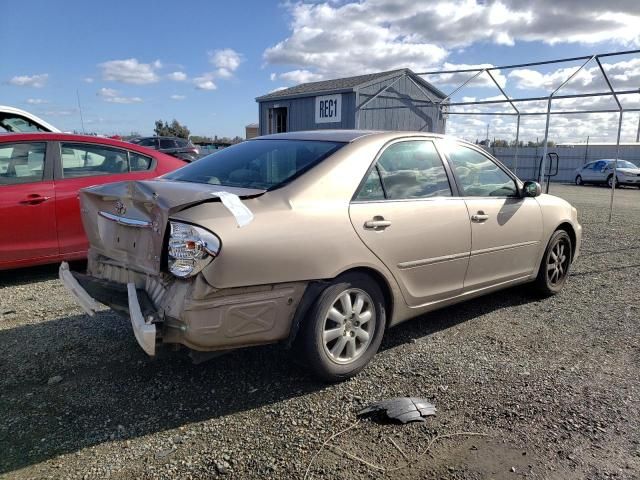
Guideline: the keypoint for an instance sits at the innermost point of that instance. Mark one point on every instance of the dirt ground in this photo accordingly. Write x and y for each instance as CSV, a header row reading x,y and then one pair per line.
x,y
549,389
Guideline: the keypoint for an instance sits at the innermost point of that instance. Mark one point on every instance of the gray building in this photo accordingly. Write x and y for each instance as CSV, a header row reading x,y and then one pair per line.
x,y
394,100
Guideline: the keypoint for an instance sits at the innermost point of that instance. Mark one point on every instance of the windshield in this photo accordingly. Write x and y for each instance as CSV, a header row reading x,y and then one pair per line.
x,y
264,164
623,164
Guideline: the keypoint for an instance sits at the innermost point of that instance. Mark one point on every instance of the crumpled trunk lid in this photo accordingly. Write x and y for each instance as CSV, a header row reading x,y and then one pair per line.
x,y
127,221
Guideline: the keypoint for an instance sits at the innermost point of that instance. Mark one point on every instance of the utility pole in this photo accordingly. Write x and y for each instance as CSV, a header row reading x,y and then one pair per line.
x,y
638,134
586,150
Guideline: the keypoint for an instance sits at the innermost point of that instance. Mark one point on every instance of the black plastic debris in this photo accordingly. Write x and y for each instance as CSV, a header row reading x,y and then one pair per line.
x,y
402,409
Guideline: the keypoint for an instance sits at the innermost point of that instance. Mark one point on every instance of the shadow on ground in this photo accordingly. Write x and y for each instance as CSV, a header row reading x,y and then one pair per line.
x,y
111,391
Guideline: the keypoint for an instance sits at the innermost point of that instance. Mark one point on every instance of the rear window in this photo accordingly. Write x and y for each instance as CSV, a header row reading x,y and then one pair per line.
x,y
167,143
264,164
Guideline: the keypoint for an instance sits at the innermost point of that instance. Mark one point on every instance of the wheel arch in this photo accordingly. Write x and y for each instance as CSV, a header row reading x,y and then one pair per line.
x,y
567,227
315,287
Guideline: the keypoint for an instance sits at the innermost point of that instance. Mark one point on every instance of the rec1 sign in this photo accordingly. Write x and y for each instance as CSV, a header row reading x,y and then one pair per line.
x,y
328,108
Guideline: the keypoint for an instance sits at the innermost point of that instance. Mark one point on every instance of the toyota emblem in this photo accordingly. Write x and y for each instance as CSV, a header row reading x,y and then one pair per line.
x,y
120,208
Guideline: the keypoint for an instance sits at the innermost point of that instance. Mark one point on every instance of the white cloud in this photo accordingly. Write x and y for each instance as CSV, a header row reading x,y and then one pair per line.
x,y
60,112
113,96
36,101
298,76
36,81
278,89
456,79
225,60
130,71
205,82
177,76
623,75
333,39
178,97
88,79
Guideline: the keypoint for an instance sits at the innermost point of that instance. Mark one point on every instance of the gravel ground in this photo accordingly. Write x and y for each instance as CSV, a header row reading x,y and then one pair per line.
x,y
551,384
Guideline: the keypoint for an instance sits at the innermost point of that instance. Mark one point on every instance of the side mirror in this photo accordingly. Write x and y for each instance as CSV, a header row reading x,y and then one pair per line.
x,y
531,189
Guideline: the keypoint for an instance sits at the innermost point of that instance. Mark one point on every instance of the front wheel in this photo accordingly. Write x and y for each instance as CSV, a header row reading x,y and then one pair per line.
x,y
610,181
555,264
344,328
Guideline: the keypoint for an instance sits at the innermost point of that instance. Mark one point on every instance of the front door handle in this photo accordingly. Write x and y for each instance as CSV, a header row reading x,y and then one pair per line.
x,y
377,223
479,217
34,199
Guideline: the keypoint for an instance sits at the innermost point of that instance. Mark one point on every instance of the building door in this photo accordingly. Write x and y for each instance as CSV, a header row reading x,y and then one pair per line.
x,y
278,120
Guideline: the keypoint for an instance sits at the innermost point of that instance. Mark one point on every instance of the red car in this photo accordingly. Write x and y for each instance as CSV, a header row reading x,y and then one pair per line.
x,y
40,175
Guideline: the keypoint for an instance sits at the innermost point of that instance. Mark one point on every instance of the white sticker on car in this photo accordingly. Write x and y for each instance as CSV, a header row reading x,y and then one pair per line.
x,y
242,214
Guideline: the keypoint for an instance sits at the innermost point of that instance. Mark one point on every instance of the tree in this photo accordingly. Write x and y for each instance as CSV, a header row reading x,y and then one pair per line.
x,y
164,129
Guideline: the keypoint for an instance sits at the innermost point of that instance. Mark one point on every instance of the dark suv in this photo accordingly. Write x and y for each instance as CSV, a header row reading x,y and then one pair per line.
x,y
174,146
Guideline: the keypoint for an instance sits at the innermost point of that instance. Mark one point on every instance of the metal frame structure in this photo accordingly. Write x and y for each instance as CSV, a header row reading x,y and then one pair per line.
x,y
445,104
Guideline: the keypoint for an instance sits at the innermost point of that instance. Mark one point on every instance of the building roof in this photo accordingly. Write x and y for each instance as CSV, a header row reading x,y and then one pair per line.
x,y
346,84
252,125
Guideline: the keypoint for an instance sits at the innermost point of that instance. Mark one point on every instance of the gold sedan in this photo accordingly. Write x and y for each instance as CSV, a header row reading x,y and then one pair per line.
x,y
321,240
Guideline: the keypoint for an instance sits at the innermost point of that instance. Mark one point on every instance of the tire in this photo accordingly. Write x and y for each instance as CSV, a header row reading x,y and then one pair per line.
x,y
554,268
327,340
610,181
579,180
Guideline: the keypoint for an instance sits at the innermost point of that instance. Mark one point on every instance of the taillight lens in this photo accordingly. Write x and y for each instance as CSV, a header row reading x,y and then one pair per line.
x,y
190,249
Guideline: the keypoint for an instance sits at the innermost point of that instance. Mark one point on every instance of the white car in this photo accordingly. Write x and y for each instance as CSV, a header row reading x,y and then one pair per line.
x,y
15,120
601,171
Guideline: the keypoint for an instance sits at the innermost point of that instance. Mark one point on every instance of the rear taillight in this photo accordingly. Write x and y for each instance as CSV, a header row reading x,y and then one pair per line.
x,y
190,249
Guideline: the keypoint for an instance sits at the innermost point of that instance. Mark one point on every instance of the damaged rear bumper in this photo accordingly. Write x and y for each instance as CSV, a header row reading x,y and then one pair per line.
x,y
165,310
86,290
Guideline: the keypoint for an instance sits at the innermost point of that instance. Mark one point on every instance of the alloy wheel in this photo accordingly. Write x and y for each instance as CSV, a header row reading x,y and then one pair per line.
x,y
558,262
349,326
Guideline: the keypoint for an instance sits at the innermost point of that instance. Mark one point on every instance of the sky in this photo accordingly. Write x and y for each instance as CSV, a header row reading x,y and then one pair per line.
x,y
203,63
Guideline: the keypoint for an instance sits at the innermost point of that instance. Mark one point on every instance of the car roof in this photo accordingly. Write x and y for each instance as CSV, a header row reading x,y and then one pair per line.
x,y
161,136
347,136
71,137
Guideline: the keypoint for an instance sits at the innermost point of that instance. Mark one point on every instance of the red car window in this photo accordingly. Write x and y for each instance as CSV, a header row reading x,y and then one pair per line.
x,y
139,162
80,160
21,163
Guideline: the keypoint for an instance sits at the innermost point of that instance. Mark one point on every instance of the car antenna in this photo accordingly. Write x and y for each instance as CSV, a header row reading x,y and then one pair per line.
x,y
80,110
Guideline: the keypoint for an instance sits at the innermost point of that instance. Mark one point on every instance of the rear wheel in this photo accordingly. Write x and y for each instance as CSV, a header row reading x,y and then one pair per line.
x,y
344,328
610,181
555,264
579,180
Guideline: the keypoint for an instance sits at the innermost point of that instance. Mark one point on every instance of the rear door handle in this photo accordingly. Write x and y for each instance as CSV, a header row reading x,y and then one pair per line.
x,y
34,199
479,217
377,223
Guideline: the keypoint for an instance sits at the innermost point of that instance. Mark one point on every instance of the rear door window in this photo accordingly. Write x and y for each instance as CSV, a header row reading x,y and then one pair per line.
x,y
407,170
139,162
22,162
80,160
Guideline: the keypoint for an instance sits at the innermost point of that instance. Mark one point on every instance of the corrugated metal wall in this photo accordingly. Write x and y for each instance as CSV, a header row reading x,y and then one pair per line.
x,y
570,158
402,107
301,114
